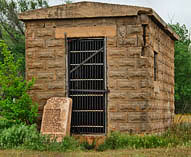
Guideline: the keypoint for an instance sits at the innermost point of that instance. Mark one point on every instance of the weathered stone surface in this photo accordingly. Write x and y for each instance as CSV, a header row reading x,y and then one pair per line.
x,y
55,85
58,64
118,116
57,117
135,101
126,84
35,43
46,54
134,106
45,75
93,31
55,43
143,95
45,32
135,127
36,65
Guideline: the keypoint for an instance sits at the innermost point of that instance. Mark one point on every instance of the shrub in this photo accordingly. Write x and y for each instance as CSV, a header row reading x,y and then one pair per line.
x,y
27,137
87,146
177,135
4,123
15,103
17,135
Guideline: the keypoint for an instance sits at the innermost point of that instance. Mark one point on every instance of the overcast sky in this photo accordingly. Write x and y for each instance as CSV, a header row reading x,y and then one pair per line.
x,y
171,11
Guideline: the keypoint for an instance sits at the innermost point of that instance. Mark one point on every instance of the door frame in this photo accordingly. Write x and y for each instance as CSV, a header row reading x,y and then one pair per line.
x,y
105,74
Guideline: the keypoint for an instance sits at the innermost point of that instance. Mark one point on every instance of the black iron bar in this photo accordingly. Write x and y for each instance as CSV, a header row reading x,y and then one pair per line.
x,y
86,60
86,80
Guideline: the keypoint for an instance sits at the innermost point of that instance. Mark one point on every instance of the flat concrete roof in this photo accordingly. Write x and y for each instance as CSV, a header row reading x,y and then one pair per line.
x,y
93,10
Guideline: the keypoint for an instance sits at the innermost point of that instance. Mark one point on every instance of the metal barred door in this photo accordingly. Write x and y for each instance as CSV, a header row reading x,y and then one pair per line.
x,y
87,84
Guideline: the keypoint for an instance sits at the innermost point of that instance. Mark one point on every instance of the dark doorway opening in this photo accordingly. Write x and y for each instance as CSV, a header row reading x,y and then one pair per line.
x,y
87,84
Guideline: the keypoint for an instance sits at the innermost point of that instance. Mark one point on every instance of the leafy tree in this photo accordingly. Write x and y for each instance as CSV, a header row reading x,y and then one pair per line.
x,y
15,103
11,29
68,1
182,70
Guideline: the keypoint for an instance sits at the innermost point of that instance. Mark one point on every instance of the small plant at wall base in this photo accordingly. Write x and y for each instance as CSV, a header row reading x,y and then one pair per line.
x,y
15,103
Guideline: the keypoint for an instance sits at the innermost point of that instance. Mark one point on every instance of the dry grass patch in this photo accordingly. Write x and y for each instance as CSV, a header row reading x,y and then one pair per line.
x,y
159,152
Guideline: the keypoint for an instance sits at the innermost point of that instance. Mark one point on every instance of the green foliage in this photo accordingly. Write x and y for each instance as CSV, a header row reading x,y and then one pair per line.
x,y
27,137
15,103
68,1
4,123
87,146
12,29
16,136
182,70
120,141
177,135
20,136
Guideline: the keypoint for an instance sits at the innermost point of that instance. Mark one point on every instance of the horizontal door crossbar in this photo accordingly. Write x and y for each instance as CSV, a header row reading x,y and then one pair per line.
x,y
83,51
88,126
88,110
86,90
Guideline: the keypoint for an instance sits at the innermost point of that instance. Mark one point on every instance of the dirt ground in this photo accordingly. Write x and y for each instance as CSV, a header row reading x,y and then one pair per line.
x,y
159,152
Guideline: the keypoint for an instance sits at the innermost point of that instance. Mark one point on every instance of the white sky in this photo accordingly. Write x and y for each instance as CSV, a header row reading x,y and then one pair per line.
x,y
171,11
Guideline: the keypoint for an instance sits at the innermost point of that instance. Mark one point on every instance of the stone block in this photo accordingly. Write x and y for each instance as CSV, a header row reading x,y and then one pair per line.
x,y
117,95
138,74
118,116
118,74
112,84
146,84
128,41
45,33
47,95
140,41
134,106
55,43
134,29
137,117
144,19
90,31
143,63
116,52
38,86
60,75
57,117
112,107
127,63
56,85
56,64
37,65
47,54
126,84
134,127
139,96
45,75
134,52
35,43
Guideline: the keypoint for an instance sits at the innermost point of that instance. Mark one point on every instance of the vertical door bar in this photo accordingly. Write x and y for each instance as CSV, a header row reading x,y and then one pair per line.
x,y
105,82
66,65
87,85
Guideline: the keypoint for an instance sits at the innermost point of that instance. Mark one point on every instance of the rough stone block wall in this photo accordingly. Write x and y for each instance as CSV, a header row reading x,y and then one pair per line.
x,y
136,103
45,61
128,79
162,95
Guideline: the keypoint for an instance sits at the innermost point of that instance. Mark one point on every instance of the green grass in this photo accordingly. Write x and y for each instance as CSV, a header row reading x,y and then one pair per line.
x,y
22,137
177,135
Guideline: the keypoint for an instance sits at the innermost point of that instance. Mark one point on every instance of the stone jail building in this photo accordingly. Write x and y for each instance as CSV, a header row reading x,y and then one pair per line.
x,y
116,62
